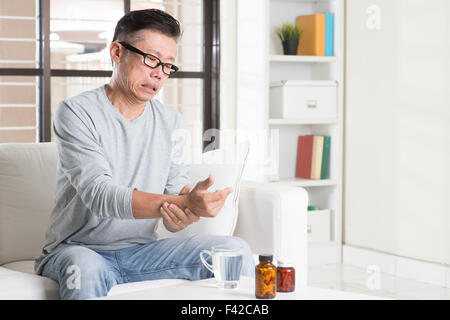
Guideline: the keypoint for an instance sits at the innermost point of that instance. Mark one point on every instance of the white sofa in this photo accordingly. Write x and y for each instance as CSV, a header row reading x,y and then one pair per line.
x,y
271,218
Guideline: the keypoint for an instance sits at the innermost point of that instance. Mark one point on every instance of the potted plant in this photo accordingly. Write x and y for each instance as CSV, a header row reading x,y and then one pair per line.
x,y
289,34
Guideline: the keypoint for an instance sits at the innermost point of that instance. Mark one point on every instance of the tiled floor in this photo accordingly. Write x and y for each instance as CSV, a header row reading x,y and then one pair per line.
x,y
355,279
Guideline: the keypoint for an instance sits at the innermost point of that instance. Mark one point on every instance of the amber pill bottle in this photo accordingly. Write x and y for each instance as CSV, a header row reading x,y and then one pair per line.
x,y
285,277
265,278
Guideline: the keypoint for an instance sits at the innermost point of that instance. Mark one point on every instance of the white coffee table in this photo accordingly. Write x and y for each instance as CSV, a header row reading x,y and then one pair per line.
x,y
207,290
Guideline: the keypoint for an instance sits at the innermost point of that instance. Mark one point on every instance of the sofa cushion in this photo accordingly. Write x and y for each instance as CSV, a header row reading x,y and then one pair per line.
x,y
31,286
143,285
226,165
26,266
27,186
26,286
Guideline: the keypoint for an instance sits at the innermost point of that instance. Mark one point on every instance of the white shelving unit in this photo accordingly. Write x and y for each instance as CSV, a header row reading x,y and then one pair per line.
x,y
273,121
327,193
283,58
307,182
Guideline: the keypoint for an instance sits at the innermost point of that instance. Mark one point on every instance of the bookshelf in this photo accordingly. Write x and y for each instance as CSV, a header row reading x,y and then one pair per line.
x,y
325,193
275,121
296,182
312,59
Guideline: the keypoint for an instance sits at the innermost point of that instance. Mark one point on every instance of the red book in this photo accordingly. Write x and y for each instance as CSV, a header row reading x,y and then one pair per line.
x,y
304,157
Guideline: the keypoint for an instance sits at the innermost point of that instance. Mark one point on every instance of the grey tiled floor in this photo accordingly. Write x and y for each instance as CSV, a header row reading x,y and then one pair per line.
x,y
355,279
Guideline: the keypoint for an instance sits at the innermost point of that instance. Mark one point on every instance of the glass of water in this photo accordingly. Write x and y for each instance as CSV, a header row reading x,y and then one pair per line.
x,y
226,264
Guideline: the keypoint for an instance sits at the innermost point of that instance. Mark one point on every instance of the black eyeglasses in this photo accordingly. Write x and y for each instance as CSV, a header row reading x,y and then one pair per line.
x,y
151,60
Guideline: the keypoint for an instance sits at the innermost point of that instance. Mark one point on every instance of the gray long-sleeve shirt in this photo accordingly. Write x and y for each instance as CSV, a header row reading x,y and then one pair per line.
x,y
103,157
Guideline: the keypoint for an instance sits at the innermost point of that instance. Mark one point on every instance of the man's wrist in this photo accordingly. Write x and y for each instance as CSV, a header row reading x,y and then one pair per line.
x,y
182,201
146,205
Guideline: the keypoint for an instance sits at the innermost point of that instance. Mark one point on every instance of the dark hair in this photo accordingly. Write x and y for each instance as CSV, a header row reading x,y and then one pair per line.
x,y
153,19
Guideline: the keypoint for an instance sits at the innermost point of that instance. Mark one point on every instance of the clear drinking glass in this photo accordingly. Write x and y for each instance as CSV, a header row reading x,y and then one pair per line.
x,y
226,264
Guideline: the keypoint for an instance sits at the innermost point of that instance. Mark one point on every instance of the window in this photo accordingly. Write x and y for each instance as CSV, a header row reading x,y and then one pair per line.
x,y
54,49
19,48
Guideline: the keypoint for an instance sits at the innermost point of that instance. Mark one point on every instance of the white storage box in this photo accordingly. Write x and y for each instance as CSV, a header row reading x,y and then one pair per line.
x,y
303,99
318,225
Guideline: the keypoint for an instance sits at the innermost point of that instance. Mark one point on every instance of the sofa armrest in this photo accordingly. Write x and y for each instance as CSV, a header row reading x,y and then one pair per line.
x,y
272,219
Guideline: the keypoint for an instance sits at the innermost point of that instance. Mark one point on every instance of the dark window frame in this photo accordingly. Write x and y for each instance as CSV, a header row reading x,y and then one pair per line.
x,y
210,74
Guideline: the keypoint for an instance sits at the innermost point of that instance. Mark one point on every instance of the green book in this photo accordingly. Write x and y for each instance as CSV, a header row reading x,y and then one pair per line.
x,y
325,157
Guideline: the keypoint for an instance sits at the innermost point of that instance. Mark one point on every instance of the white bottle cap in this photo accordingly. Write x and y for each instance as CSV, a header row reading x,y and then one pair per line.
x,y
284,264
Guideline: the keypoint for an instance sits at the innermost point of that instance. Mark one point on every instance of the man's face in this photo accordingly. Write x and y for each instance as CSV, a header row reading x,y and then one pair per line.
x,y
141,81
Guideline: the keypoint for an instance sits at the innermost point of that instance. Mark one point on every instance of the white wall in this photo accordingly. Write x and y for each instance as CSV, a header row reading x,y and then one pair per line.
x,y
228,61
397,128
251,81
242,80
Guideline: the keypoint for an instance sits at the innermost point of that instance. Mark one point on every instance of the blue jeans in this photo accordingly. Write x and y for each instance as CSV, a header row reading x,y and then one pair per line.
x,y
84,273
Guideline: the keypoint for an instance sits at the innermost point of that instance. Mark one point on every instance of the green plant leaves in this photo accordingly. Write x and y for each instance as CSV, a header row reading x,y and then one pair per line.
x,y
289,31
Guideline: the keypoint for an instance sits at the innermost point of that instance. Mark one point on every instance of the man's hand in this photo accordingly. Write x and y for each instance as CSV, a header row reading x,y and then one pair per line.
x,y
199,201
174,218
204,203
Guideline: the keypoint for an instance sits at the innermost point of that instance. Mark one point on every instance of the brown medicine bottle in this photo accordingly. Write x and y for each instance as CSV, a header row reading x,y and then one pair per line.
x,y
285,277
265,278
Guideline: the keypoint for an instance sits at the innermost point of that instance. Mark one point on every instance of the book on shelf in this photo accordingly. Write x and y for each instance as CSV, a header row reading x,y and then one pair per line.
x,y
316,160
304,156
325,157
317,37
313,157
329,34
